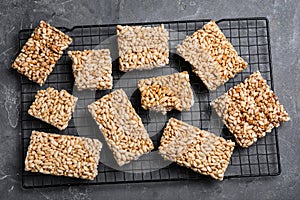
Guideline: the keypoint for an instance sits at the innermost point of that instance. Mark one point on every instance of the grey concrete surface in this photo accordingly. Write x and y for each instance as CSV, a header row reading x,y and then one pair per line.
x,y
284,19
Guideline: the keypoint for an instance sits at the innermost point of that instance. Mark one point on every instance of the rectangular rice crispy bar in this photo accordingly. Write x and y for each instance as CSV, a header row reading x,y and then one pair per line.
x,y
163,93
212,56
92,69
121,126
250,110
196,149
142,47
63,155
41,52
53,107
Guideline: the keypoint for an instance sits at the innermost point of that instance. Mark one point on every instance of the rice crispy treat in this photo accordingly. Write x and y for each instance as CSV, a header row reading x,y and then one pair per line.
x,y
212,56
53,107
163,93
41,52
196,149
63,155
92,69
142,47
250,110
121,126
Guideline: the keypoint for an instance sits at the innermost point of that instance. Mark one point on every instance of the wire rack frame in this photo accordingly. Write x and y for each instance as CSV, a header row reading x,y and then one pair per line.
x,y
249,36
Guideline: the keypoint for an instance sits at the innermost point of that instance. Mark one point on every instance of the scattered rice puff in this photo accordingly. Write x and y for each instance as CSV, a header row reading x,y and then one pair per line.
x,y
250,110
163,93
212,56
63,155
196,149
121,126
41,52
142,47
92,69
53,107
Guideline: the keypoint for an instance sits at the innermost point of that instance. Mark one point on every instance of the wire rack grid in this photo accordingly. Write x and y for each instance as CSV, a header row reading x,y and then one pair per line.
x,y
249,36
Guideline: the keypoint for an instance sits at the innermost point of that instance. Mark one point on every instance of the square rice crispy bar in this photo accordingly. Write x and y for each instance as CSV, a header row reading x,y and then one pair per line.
x,y
41,52
53,107
121,126
212,56
250,110
92,69
142,47
163,93
196,149
63,155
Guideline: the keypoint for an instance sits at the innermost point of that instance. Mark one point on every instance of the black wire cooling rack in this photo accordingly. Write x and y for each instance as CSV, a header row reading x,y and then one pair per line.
x,y
249,36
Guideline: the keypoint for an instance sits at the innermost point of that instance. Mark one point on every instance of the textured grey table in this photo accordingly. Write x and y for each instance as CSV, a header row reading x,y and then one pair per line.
x,y
284,19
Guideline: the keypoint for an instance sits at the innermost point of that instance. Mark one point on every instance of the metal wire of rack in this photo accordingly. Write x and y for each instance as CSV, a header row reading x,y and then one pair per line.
x,y
249,36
